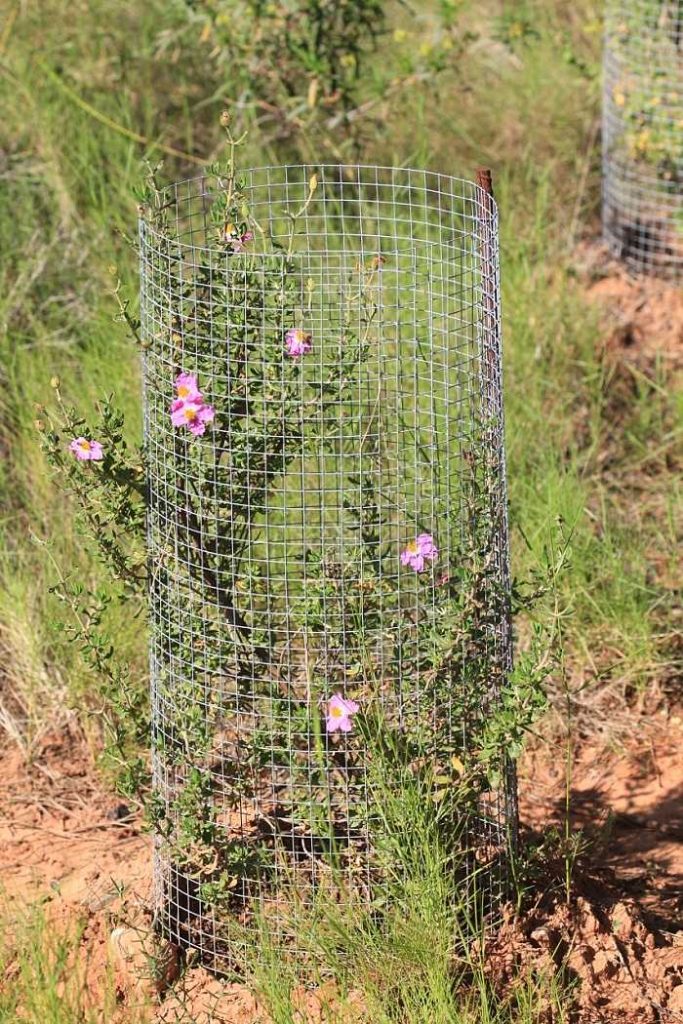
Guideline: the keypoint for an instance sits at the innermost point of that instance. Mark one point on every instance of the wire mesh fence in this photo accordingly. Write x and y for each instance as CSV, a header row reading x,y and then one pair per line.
x,y
643,134
329,592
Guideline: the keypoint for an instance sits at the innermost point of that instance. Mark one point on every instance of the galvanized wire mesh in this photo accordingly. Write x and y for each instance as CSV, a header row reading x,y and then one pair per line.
x,y
329,584
643,134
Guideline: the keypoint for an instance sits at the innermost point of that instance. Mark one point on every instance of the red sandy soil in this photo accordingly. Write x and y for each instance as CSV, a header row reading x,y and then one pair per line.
x,y
642,317
67,841
621,935
629,803
61,840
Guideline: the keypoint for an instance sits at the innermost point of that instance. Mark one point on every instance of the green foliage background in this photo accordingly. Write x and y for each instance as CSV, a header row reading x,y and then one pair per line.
x,y
516,90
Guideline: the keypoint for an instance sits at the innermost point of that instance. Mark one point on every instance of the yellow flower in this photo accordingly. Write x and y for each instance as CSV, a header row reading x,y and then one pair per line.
x,y
640,144
399,35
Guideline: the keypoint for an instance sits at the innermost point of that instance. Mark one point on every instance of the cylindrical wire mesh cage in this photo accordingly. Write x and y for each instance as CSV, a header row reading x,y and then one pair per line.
x,y
643,134
329,592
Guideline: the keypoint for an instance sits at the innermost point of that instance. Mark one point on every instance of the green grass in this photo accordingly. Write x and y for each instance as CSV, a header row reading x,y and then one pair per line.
x,y
68,189
427,961
67,178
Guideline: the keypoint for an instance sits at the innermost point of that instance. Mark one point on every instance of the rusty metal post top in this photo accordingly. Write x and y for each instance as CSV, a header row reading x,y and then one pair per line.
x,y
485,180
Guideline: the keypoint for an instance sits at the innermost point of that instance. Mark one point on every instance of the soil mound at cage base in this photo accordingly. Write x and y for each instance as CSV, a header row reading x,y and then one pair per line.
x,y
641,318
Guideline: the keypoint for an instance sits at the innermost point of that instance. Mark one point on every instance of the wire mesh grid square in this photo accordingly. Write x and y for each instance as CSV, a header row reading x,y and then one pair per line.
x,y
275,543
643,134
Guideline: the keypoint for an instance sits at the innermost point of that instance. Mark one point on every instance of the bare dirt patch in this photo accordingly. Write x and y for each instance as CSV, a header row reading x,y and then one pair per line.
x,y
68,843
619,970
629,804
619,937
643,316
61,829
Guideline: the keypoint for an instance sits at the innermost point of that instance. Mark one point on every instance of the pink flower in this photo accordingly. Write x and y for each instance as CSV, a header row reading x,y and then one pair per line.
x,y
86,451
186,388
339,712
235,241
193,415
297,342
238,244
418,551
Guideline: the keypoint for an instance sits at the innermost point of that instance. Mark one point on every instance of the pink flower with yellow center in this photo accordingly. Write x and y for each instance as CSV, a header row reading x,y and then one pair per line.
x,y
193,415
239,244
236,241
85,450
339,713
186,388
298,342
419,551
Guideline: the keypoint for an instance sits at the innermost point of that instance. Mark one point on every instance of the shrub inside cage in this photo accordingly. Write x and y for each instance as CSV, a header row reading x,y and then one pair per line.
x,y
329,588
643,134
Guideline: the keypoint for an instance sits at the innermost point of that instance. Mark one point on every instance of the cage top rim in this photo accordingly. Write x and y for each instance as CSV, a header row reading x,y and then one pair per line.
x,y
476,189
477,195
344,253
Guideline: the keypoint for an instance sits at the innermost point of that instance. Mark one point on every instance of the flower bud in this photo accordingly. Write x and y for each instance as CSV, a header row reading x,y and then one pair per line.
x,y
54,382
225,119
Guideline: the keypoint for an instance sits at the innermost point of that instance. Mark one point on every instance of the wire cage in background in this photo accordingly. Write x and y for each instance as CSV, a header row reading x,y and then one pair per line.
x,y
329,591
643,134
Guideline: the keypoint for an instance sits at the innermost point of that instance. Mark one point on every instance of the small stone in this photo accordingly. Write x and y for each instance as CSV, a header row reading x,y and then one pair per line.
x,y
622,924
580,960
145,960
604,964
675,1003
